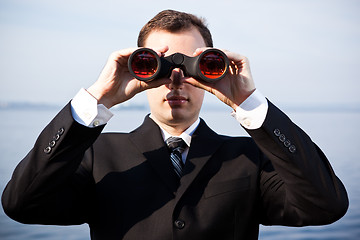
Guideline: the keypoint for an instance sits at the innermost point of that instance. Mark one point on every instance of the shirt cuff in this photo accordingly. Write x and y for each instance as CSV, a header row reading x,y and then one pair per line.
x,y
86,111
252,112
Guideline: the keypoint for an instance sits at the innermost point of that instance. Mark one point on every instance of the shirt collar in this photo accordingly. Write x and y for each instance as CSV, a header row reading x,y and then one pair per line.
x,y
186,135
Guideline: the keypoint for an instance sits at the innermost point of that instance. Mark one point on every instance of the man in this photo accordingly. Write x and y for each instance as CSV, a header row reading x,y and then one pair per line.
x,y
125,186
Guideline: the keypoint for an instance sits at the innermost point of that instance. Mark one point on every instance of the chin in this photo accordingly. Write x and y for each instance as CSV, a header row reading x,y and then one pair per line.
x,y
180,116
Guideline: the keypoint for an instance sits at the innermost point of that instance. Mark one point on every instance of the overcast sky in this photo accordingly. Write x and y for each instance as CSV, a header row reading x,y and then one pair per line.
x,y
301,52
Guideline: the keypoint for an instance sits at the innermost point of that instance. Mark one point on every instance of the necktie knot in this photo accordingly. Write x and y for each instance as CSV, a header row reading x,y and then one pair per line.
x,y
176,146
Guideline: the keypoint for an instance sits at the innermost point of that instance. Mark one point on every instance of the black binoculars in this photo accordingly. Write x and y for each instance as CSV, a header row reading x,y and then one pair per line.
x,y
146,65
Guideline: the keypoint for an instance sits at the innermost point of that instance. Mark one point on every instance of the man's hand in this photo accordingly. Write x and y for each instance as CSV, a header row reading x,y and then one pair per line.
x,y
115,83
235,87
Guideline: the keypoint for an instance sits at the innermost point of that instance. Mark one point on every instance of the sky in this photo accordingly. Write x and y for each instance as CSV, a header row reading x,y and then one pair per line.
x,y
301,52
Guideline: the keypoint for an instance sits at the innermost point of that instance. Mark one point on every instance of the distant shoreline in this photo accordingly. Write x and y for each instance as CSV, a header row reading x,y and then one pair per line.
x,y
29,106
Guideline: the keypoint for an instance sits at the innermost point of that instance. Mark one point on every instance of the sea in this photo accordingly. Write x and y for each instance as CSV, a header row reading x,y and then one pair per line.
x,y
335,130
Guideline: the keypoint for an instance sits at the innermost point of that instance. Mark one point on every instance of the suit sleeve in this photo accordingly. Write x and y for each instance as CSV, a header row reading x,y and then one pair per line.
x,y
298,185
50,185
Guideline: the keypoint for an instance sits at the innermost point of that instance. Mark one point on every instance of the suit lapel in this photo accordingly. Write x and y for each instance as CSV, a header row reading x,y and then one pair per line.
x,y
150,143
204,144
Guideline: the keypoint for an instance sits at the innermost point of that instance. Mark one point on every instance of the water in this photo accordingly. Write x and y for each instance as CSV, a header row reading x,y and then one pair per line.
x,y
335,132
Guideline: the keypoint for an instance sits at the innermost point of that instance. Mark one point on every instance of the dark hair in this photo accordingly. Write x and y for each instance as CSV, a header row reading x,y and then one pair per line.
x,y
174,21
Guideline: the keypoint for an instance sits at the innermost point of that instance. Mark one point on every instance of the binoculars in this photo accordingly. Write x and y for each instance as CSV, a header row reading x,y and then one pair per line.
x,y
146,65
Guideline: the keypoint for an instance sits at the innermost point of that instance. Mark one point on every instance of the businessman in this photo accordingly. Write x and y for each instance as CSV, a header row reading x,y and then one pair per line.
x,y
144,185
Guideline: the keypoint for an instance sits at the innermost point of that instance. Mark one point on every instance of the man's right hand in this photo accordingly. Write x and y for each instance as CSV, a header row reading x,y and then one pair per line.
x,y
115,83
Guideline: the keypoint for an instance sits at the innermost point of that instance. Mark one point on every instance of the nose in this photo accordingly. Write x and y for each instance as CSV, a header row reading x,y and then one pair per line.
x,y
177,76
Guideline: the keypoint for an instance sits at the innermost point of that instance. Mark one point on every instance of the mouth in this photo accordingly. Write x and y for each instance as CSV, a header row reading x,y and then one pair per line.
x,y
175,100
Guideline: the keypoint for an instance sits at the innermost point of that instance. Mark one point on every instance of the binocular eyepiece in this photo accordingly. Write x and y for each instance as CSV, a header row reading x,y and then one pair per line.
x,y
146,65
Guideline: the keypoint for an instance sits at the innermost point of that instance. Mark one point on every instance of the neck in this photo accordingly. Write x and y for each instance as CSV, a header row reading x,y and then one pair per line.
x,y
173,128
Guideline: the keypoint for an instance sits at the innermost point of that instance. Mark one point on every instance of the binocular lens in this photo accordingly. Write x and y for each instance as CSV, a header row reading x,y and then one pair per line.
x,y
212,65
144,64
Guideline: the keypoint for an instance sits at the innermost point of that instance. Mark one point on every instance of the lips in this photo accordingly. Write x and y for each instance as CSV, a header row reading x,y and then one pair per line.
x,y
176,100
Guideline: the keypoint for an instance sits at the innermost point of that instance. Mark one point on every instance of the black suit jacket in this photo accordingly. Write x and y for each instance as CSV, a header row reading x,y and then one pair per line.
x,y
124,187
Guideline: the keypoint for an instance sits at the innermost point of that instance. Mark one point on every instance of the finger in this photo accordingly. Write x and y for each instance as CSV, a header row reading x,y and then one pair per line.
x,y
235,57
121,56
161,51
122,53
203,85
155,83
198,51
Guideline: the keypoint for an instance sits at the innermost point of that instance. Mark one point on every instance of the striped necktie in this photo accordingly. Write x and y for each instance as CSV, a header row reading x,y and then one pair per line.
x,y
176,146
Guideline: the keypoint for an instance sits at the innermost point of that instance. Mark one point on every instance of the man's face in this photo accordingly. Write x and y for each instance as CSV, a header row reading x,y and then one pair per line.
x,y
176,103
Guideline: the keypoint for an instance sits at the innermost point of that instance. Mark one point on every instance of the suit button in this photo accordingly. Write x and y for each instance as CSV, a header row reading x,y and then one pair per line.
x,y
179,224
287,143
47,149
52,143
56,137
292,148
61,131
277,132
282,138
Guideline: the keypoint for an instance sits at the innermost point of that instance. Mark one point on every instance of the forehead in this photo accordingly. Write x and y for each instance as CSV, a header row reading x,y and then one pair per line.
x,y
185,42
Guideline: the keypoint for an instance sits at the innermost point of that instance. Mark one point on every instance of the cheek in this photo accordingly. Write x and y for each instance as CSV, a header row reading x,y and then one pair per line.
x,y
198,96
154,95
